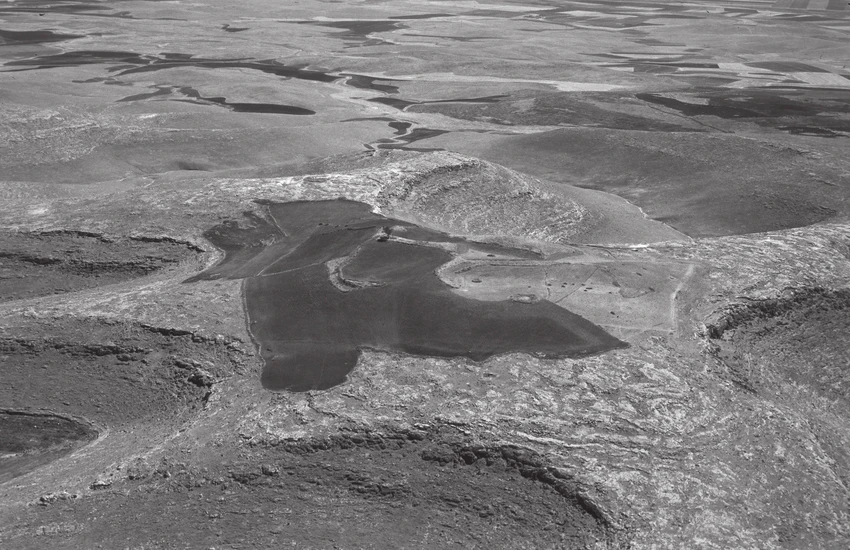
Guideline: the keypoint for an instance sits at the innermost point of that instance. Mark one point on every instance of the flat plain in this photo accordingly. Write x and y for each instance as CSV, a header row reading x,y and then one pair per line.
x,y
424,274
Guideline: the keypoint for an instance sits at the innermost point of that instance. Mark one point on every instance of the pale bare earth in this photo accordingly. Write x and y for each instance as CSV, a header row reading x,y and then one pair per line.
x,y
675,173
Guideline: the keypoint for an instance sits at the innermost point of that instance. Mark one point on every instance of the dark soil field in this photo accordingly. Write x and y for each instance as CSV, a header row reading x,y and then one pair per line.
x,y
310,333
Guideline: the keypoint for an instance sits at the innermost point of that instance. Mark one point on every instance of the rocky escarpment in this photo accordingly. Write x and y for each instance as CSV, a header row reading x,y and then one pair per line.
x,y
31,439
793,308
111,372
798,339
425,487
795,351
125,380
43,263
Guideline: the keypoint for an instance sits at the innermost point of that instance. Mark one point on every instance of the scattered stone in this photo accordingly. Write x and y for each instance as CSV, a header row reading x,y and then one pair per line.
x,y
50,498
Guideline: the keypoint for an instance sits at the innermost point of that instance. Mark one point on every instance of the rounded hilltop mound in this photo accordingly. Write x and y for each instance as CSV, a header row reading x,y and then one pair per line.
x,y
465,195
474,197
